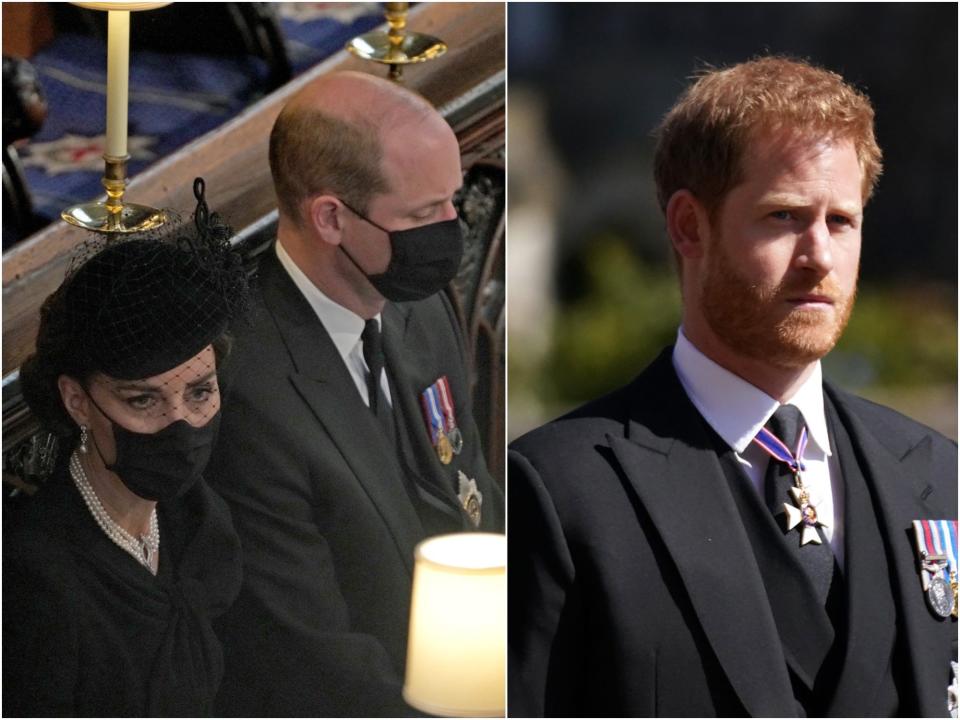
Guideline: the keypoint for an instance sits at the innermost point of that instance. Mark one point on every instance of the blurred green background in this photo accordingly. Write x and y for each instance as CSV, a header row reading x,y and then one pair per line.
x,y
593,296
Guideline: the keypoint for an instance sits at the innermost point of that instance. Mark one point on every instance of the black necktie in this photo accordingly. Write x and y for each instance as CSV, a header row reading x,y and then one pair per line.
x,y
373,355
786,424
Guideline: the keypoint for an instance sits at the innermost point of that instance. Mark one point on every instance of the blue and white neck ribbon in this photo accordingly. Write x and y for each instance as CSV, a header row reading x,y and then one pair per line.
x,y
778,450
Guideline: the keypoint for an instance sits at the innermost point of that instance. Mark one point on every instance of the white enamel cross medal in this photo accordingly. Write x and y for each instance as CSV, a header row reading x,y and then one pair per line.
x,y
805,513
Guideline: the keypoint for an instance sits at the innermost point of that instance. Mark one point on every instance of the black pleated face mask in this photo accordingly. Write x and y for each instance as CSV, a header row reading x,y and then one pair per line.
x,y
163,465
423,260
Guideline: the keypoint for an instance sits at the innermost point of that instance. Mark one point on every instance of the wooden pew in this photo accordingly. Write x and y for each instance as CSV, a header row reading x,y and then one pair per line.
x,y
467,85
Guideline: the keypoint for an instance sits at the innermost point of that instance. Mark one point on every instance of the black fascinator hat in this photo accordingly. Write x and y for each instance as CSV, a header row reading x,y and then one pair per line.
x,y
136,308
142,307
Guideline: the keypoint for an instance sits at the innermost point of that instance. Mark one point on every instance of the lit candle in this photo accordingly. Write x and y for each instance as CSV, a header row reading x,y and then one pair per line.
x,y
118,73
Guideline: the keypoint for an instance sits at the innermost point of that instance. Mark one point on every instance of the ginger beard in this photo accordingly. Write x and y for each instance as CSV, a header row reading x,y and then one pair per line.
x,y
756,319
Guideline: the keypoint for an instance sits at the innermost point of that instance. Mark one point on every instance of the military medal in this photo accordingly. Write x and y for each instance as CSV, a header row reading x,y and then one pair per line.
x,y
937,550
445,436
444,449
803,512
471,499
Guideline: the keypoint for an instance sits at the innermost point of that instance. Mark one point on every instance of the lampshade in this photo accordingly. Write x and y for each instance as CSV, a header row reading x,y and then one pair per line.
x,y
456,652
128,6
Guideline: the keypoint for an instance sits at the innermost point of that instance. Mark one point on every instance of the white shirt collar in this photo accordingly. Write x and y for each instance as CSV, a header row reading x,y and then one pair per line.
x,y
344,326
737,410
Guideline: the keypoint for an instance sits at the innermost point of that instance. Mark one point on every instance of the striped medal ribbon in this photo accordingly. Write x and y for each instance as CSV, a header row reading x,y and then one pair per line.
x,y
937,549
433,414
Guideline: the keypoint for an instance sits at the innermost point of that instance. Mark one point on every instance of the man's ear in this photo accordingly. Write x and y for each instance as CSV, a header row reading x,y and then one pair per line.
x,y
688,224
325,214
75,399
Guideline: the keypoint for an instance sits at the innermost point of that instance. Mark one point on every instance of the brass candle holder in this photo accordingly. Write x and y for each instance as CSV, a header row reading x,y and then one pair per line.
x,y
115,215
398,47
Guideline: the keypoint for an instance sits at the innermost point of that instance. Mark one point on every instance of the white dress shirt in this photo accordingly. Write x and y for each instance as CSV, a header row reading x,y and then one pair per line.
x,y
344,326
737,410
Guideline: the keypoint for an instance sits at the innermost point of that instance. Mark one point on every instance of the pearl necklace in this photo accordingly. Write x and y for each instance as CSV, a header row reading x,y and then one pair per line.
x,y
144,549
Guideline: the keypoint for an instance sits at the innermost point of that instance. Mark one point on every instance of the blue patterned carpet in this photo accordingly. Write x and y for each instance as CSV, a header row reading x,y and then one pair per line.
x,y
174,98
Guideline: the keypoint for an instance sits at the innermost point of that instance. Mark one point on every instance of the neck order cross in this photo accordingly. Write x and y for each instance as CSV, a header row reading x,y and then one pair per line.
x,y
803,511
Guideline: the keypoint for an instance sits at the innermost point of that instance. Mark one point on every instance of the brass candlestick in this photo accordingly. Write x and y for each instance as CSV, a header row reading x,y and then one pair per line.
x,y
115,215
398,47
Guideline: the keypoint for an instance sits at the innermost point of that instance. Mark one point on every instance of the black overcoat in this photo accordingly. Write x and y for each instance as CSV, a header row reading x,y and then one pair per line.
x,y
88,631
634,588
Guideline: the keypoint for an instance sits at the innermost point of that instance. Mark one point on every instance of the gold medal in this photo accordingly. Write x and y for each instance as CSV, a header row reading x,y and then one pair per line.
x,y
444,450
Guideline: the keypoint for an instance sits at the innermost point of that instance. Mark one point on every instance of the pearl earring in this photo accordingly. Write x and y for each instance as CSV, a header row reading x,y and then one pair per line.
x,y
83,439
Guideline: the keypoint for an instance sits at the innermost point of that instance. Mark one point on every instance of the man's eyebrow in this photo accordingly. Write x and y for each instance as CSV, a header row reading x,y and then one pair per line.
x,y
795,201
439,199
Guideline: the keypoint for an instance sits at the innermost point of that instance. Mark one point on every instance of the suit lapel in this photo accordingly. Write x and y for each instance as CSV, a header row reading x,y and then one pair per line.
x,y
325,385
669,460
894,470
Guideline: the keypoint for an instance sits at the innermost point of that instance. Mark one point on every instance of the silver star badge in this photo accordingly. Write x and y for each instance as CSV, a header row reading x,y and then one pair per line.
x,y
471,499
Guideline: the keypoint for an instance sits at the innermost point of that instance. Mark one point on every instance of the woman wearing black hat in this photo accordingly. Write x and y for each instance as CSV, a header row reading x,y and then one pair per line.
x,y
114,570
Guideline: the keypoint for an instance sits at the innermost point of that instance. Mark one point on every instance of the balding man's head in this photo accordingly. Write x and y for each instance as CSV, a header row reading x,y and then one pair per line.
x,y
329,138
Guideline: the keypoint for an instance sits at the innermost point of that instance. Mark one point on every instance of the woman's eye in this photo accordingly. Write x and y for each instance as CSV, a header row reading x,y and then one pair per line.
x,y
141,402
839,220
202,393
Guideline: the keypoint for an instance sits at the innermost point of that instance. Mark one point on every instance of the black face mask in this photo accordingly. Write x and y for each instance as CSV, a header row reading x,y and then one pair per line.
x,y
423,260
162,465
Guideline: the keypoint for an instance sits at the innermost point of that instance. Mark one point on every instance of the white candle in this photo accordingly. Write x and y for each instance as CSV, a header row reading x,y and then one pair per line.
x,y
118,76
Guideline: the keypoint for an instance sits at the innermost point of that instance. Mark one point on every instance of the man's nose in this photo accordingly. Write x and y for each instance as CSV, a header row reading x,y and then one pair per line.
x,y
449,211
815,248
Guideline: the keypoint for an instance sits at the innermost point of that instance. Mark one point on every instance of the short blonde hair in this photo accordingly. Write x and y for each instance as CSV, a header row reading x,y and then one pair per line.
x,y
702,140
312,152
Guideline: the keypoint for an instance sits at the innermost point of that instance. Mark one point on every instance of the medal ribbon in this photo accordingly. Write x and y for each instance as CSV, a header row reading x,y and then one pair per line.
x,y
778,450
446,404
936,537
431,412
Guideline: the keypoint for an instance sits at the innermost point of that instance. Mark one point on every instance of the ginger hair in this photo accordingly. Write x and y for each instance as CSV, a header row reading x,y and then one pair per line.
x,y
702,140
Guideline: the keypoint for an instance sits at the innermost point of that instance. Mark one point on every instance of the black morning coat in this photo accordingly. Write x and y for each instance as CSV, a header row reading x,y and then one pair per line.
x,y
636,587
89,632
328,511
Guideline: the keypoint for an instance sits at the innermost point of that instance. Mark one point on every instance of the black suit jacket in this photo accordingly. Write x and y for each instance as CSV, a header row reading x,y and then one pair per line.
x,y
321,502
633,586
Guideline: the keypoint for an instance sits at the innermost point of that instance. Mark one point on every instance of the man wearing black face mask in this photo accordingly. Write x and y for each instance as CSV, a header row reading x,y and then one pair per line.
x,y
347,434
